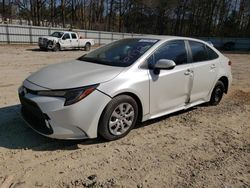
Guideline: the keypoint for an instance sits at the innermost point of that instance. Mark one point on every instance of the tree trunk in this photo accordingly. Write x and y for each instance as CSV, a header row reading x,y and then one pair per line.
x,y
72,14
38,6
52,12
120,16
63,13
110,15
3,14
84,14
160,25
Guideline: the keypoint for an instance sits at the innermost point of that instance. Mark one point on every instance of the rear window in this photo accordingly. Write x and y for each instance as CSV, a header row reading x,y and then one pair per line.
x,y
73,35
202,52
199,51
211,54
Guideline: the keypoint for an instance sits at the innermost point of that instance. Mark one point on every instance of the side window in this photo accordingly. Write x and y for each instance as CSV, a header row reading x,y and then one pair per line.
x,y
211,54
199,51
174,50
73,35
66,36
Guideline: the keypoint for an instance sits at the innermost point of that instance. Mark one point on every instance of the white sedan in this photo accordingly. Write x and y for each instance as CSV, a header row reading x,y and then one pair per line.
x,y
109,90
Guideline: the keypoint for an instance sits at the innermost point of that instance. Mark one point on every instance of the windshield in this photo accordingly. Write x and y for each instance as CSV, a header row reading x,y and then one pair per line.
x,y
57,34
121,53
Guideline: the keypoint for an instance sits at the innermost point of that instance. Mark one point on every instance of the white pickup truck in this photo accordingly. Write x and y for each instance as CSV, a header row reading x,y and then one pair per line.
x,y
64,40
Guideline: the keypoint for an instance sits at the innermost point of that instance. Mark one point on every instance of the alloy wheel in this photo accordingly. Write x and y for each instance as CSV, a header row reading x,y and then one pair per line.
x,y
121,119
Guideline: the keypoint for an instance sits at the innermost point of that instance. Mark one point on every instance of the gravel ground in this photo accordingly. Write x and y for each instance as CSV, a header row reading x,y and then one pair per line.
x,y
202,147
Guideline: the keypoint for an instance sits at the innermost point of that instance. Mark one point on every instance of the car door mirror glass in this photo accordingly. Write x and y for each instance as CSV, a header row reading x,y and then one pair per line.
x,y
164,64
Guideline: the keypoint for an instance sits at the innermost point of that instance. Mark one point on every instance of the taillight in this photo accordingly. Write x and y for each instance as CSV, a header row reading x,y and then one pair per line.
x,y
229,63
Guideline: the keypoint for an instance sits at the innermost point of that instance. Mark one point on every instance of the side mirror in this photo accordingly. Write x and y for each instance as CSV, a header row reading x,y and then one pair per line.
x,y
164,64
63,38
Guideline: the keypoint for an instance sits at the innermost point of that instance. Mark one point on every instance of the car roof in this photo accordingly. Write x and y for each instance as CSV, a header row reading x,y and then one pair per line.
x,y
65,31
168,37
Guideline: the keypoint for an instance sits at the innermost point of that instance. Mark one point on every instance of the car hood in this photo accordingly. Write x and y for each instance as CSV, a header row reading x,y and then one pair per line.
x,y
73,74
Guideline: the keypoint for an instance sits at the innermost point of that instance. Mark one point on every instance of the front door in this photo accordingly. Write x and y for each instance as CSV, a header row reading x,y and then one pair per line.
x,y
66,41
170,89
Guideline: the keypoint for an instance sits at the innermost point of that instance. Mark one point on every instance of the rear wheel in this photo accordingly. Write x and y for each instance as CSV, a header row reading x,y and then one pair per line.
x,y
87,47
217,93
118,118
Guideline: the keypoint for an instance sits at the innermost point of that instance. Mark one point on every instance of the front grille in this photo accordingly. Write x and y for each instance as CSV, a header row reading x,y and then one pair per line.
x,y
34,116
42,42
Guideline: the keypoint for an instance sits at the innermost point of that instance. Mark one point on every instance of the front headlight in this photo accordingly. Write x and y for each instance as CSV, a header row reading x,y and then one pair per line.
x,y
71,96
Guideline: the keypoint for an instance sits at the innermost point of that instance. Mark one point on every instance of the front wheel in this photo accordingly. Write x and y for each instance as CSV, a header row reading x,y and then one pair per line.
x,y
118,118
217,93
56,47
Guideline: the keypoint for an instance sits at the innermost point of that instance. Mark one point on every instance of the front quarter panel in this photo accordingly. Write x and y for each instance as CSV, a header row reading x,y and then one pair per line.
x,y
134,81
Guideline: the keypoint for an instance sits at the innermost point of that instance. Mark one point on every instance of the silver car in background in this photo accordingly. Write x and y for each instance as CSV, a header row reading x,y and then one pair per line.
x,y
109,90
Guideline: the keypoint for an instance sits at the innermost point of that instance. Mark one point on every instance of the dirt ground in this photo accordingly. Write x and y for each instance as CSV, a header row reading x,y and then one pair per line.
x,y
201,147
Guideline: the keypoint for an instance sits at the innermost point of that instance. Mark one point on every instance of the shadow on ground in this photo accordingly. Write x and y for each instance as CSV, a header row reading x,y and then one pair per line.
x,y
156,120
15,133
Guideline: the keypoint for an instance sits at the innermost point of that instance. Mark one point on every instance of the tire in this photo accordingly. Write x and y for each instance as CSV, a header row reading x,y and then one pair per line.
x,y
56,48
113,124
87,47
49,45
217,93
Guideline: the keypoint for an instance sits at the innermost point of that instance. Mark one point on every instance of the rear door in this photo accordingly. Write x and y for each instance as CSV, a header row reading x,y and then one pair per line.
x,y
205,66
170,89
74,40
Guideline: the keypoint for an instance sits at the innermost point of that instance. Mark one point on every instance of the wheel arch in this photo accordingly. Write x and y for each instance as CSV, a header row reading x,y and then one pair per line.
x,y
137,100
87,46
59,45
225,81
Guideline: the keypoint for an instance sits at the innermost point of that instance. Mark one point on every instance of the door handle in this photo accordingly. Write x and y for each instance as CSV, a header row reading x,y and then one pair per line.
x,y
188,72
213,66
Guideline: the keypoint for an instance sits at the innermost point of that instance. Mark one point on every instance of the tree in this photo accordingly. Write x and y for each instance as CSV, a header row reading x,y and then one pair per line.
x,y
169,17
